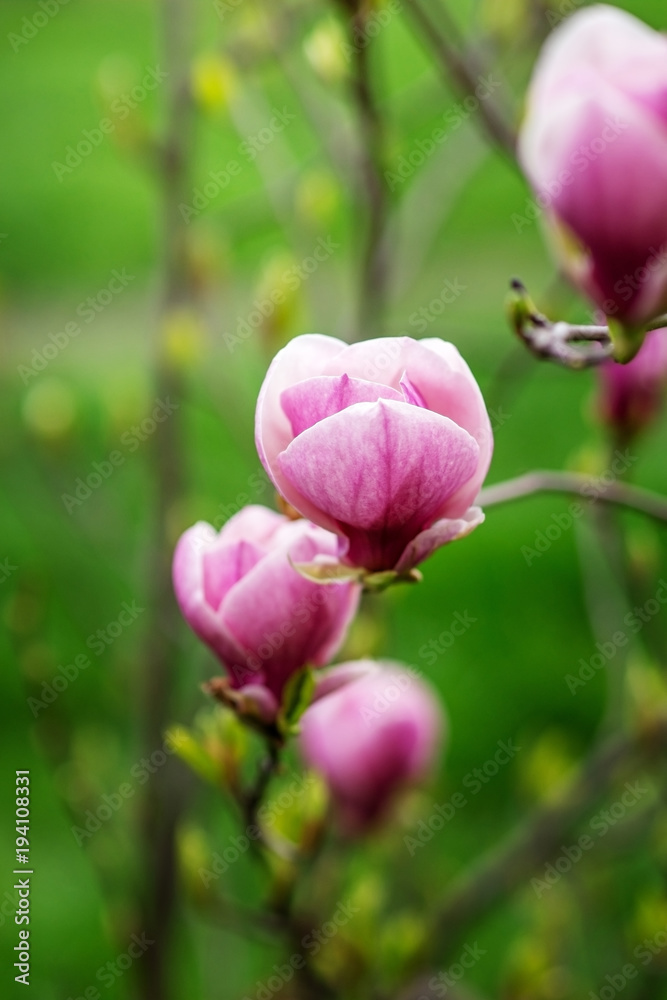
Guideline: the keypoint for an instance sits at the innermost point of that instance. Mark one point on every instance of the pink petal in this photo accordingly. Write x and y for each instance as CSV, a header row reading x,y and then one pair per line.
x,y
411,393
302,358
439,534
188,579
253,523
382,470
328,681
371,737
601,81
610,43
223,566
300,622
310,401
442,380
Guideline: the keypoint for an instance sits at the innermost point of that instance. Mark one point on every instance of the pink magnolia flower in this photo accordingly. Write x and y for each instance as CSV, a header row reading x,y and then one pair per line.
x,y
594,147
386,443
239,593
371,738
630,396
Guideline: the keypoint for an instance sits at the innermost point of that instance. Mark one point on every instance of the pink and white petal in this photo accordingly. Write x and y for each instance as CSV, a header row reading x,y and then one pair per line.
x,y
307,542
610,43
382,360
224,565
304,357
443,381
188,579
411,393
308,402
339,611
253,523
439,534
617,206
328,681
284,597
448,387
187,570
379,465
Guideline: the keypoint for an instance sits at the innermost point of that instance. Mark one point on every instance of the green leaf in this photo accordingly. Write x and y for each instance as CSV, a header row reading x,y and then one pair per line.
x,y
297,696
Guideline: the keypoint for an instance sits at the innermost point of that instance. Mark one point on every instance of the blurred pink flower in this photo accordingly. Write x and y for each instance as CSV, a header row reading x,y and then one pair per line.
x,y
594,147
630,396
239,593
385,442
370,738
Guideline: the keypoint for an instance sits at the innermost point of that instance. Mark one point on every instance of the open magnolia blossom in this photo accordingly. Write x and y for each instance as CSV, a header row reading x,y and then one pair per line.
x,y
239,593
385,442
371,737
594,147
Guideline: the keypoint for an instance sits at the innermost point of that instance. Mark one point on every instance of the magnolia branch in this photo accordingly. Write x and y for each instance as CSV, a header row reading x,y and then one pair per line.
x,y
375,264
533,842
621,494
464,71
571,345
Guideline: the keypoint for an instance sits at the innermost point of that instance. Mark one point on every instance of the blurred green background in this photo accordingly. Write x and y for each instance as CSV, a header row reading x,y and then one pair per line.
x,y
63,235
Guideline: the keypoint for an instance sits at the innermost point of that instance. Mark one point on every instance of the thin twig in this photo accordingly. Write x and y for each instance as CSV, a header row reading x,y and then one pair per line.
x,y
633,497
375,263
163,798
575,345
532,843
464,71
